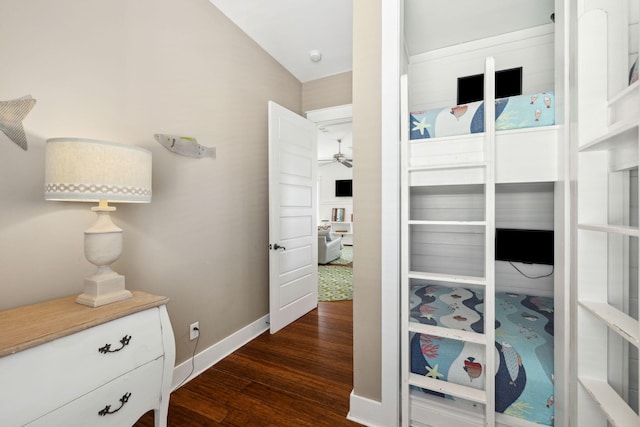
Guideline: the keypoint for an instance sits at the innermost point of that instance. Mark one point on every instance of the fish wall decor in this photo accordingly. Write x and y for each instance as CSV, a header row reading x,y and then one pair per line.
x,y
185,146
11,115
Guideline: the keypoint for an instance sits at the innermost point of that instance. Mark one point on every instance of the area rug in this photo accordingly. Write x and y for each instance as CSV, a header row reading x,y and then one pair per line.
x,y
335,279
346,257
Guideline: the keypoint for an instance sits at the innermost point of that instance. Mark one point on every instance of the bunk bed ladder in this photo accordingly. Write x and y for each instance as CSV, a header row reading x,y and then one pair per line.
x,y
484,396
607,146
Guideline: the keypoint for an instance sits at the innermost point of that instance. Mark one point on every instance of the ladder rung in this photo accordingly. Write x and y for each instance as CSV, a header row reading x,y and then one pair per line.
x,y
624,230
430,222
625,325
453,278
443,332
446,387
616,409
446,166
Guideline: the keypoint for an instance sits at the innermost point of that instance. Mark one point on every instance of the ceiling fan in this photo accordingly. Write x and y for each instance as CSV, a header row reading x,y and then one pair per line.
x,y
340,157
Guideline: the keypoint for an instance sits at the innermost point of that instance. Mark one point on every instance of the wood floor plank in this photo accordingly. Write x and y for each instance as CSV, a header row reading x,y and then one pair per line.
x,y
282,377
199,404
301,376
298,405
331,365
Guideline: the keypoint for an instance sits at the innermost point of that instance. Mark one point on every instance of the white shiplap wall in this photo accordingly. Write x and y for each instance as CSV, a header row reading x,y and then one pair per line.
x,y
433,75
461,249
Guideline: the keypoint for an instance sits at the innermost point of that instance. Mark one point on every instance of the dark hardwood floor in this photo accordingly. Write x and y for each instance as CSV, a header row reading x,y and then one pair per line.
x,y
301,376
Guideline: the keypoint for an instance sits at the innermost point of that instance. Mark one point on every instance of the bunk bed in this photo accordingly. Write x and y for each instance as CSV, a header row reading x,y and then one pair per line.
x,y
524,327
526,149
607,152
487,369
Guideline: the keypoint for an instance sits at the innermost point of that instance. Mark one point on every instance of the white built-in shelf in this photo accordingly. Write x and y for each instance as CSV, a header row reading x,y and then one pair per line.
x,y
624,230
462,223
625,93
625,325
450,333
457,390
447,166
616,409
617,133
451,278
623,105
342,227
628,92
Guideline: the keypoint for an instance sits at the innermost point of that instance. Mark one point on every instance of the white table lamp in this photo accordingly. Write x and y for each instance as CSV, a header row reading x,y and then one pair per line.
x,y
86,170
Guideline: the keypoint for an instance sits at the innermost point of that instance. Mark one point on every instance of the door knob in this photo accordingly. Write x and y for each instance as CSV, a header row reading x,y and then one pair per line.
x,y
277,246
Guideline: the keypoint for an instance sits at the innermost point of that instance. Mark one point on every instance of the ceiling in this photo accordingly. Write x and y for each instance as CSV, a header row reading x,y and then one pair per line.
x,y
432,24
290,29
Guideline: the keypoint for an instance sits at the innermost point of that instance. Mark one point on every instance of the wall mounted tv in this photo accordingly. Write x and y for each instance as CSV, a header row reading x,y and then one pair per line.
x,y
528,246
344,188
508,83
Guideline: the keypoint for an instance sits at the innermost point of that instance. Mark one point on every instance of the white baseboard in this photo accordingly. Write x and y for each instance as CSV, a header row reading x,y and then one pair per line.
x,y
365,411
207,358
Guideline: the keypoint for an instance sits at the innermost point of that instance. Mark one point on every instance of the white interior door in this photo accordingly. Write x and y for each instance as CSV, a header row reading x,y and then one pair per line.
x,y
293,242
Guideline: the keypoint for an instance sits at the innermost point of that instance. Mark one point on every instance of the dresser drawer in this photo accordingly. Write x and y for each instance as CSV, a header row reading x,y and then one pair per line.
x,y
44,378
118,403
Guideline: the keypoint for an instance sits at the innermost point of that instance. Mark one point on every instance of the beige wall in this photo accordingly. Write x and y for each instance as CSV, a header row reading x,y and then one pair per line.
x,y
123,70
327,92
366,204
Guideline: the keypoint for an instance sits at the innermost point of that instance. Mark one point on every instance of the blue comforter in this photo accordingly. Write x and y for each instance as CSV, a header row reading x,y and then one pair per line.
x,y
516,112
524,346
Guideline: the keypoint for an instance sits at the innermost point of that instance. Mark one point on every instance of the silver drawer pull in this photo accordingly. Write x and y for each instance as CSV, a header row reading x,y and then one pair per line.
x,y
107,347
107,409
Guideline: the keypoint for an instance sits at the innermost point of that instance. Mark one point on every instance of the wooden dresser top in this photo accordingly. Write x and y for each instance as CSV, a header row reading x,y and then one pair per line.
x,y
31,325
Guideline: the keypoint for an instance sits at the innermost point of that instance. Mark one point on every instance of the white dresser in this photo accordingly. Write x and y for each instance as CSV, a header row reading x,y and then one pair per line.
x,y
65,364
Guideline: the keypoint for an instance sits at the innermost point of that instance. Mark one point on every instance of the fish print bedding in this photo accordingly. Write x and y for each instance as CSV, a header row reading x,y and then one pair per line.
x,y
515,112
524,346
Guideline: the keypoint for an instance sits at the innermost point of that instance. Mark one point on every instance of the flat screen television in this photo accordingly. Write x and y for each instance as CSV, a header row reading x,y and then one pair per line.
x,y
508,83
344,188
528,246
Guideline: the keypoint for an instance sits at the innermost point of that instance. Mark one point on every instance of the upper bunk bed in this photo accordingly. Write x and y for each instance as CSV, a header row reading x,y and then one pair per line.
x,y
527,136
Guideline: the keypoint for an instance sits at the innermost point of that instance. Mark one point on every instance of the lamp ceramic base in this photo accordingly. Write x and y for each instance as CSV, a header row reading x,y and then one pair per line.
x,y
102,290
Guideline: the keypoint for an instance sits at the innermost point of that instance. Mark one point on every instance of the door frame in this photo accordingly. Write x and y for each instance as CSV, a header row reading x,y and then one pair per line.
x,y
330,116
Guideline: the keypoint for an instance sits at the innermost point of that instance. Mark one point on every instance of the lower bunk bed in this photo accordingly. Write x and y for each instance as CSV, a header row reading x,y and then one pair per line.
x,y
524,356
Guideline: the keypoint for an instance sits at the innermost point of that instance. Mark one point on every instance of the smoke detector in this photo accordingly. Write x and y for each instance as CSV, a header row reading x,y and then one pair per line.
x,y
315,56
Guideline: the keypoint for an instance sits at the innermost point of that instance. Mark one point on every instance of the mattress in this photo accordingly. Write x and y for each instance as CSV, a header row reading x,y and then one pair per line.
x,y
515,112
524,346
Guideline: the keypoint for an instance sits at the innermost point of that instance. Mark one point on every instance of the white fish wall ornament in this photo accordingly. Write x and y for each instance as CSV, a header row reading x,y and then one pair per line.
x,y
185,146
11,115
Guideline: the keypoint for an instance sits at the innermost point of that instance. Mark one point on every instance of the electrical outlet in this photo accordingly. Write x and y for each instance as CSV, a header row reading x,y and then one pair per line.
x,y
194,331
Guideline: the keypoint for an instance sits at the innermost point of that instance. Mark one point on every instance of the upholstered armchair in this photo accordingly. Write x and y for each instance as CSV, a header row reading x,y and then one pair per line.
x,y
329,246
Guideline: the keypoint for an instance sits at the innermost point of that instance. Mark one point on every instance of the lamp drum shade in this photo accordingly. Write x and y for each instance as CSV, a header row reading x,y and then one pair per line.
x,y
89,170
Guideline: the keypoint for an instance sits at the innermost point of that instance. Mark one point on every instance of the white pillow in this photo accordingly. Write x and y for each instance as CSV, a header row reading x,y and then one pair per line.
x,y
324,230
